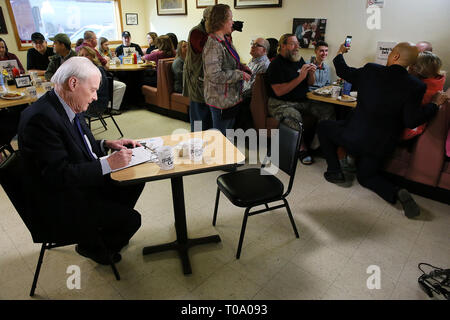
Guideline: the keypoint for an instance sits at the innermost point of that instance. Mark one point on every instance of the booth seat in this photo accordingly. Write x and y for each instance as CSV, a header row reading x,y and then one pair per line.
x,y
163,97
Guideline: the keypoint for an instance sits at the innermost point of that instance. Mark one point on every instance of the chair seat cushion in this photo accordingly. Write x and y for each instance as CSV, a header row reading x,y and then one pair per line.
x,y
248,187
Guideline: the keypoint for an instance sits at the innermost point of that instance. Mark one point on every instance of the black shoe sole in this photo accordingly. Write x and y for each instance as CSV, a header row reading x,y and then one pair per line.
x,y
333,180
410,207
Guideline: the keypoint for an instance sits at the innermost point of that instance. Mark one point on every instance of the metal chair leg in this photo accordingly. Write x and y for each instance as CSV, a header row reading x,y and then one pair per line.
x,y
38,269
291,218
241,237
216,206
117,126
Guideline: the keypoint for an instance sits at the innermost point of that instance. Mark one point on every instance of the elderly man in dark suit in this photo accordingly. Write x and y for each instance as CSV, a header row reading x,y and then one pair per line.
x,y
389,99
67,173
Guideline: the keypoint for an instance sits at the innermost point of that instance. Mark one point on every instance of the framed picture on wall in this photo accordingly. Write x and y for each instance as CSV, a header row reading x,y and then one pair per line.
x,y
131,18
309,31
205,3
244,4
171,7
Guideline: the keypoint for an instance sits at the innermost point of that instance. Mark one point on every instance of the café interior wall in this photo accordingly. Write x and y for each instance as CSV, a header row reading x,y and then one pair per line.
x,y
401,20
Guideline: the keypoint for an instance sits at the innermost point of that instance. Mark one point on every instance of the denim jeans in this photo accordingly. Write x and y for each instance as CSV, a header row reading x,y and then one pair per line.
x,y
199,112
221,124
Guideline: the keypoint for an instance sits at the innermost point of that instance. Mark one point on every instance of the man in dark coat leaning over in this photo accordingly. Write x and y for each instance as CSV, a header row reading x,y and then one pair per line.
x,y
389,100
70,189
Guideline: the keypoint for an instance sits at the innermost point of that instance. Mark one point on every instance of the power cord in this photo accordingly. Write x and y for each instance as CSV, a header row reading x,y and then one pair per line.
x,y
437,281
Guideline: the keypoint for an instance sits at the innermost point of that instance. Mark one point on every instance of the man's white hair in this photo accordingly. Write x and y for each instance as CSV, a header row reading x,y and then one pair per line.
x,y
79,67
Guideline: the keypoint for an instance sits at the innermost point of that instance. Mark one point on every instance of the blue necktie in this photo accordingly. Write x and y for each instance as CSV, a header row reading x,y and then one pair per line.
x,y
76,121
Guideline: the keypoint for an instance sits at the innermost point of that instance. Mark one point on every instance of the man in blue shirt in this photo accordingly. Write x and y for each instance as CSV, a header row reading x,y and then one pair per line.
x,y
323,69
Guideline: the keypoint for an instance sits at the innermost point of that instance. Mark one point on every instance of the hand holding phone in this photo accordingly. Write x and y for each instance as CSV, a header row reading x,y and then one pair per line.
x,y
348,41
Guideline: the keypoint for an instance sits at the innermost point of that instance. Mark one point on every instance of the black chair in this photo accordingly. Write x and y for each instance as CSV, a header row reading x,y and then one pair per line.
x,y
11,171
249,188
99,112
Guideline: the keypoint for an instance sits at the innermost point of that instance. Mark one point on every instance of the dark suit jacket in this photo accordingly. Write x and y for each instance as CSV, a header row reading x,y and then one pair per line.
x,y
389,99
61,177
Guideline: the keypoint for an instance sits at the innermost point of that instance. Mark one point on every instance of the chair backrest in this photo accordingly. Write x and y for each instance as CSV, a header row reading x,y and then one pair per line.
x,y
258,104
289,140
11,172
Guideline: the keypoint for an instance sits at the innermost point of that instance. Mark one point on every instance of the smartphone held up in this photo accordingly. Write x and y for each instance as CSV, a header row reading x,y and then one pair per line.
x,y
348,41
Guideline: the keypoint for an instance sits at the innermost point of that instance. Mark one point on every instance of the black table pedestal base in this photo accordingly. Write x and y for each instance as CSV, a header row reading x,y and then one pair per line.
x,y
182,249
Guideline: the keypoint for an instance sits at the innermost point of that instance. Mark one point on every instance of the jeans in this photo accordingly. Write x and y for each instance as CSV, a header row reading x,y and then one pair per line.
x,y
221,124
199,112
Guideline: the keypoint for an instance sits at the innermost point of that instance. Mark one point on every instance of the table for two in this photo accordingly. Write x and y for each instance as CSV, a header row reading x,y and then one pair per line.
x,y
219,154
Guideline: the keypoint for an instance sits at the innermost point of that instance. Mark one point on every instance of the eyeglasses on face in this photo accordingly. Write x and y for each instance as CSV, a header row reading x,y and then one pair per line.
x,y
256,44
38,42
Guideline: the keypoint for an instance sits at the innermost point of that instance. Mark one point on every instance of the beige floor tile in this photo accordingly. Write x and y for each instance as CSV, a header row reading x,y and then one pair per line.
x,y
293,283
391,261
226,284
352,282
259,265
18,288
322,262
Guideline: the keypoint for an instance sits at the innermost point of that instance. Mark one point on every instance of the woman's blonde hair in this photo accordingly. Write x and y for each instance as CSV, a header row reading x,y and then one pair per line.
x,y
164,44
217,17
179,48
428,65
92,55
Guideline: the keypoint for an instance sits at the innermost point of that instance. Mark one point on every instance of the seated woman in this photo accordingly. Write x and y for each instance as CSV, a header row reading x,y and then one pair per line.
x,y
165,50
177,66
103,48
428,69
5,55
98,106
151,37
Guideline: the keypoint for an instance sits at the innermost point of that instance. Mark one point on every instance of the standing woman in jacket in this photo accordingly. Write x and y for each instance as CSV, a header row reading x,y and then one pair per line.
x,y
223,71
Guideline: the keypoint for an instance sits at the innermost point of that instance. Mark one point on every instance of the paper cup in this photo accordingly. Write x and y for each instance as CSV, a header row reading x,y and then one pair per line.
x,y
165,157
196,149
38,82
335,90
31,92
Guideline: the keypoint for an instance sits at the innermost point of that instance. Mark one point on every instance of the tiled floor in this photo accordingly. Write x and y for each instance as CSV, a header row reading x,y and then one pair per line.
x,y
343,231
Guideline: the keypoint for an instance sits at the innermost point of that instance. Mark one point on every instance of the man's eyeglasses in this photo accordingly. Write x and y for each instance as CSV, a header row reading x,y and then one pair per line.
x,y
38,42
256,44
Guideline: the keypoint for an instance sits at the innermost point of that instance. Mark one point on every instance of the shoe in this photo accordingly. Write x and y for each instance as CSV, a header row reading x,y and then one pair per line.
x,y
115,112
334,177
305,158
410,207
347,166
98,256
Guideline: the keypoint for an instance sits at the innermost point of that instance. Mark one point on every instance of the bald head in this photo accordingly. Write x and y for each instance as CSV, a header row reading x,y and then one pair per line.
x,y
424,46
404,54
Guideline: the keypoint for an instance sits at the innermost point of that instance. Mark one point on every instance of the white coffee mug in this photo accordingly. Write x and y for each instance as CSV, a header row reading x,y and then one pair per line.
x,y
31,92
47,86
38,82
165,157
196,146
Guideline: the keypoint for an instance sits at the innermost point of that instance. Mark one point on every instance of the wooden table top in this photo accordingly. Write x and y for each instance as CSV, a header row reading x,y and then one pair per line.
x,y
219,152
130,67
312,96
4,103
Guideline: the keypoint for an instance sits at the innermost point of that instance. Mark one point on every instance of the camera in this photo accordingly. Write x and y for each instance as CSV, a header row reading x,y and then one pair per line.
x,y
237,26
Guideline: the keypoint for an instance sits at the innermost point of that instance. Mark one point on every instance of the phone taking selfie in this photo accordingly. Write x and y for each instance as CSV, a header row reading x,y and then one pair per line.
x,y
348,41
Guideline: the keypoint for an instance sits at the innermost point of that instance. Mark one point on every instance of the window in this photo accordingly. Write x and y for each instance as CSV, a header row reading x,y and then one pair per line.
x,y
72,17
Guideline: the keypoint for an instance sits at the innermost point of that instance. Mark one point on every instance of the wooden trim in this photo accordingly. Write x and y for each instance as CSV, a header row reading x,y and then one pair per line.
x,y
241,6
25,48
14,26
171,14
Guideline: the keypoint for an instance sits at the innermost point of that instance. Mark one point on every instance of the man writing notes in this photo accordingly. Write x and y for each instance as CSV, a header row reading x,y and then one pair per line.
x,y
71,191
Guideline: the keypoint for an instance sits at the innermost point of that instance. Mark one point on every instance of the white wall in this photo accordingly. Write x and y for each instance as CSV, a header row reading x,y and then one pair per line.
x,y
401,20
